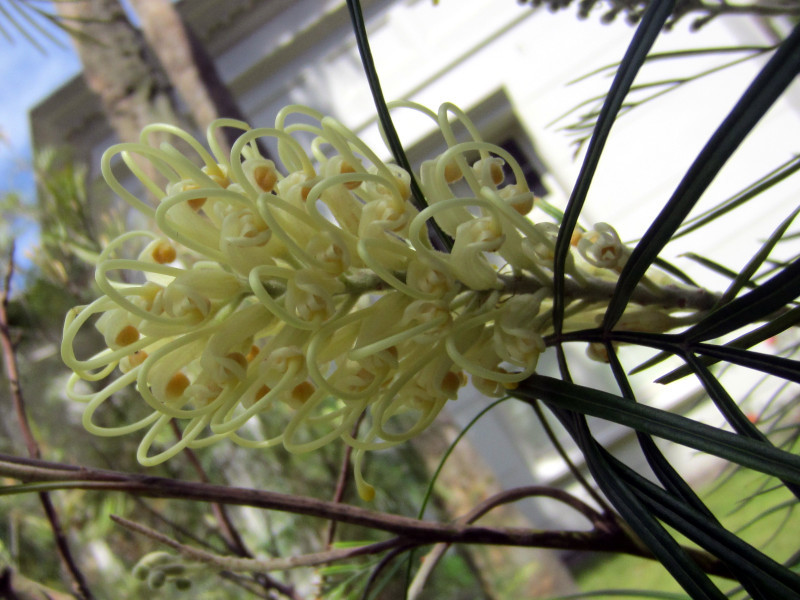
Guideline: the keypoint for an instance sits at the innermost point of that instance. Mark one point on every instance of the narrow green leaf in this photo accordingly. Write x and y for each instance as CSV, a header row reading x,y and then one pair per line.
x,y
729,408
649,530
22,8
787,505
661,467
749,270
385,118
20,28
735,448
790,167
714,266
674,271
653,21
663,546
650,362
732,352
449,451
778,325
762,93
752,566
681,54
3,31
562,452
610,474
429,490
785,368
756,305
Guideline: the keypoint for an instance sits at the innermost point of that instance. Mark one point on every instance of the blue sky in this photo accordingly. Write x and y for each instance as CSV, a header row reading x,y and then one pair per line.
x,y
28,75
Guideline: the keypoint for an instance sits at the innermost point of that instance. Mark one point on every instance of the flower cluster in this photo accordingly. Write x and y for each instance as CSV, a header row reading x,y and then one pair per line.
x,y
282,301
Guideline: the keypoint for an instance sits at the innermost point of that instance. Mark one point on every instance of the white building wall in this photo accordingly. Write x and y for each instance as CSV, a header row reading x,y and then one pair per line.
x,y
463,51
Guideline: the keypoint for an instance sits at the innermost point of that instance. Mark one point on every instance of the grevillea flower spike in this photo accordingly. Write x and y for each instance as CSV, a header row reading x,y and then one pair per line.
x,y
281,299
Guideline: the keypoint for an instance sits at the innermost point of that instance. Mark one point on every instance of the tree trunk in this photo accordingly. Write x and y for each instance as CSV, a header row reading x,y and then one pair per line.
x,y
188,65
118,67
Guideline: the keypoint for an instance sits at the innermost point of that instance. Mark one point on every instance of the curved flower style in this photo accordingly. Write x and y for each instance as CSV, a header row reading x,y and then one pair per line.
x,y
282,300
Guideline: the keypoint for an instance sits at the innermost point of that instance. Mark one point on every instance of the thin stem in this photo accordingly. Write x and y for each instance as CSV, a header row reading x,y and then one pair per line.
x,y
573,469
229,533
599,521
79,582
341,483
535,491
593,289
230,563
411,531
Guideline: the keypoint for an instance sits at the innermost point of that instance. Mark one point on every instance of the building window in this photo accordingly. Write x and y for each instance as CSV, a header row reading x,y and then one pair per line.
x,y
533,175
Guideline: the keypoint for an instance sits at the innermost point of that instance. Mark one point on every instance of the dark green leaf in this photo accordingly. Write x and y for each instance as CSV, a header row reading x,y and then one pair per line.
x,y
758,304
778,325
714,266
758,572
762,93
652,22
385,118
778,366
735,448
663,546
790,167
661,467
749,270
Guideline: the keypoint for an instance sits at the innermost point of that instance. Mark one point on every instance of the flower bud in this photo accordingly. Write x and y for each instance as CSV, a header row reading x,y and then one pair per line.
x,y
489,171
467,258
329,250
309,295
519,198
261,173
602,247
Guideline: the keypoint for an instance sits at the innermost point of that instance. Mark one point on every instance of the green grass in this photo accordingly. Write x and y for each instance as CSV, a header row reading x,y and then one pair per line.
x,y
736,503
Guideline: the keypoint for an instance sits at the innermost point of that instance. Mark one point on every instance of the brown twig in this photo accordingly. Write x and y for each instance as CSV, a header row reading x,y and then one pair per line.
x,y
413,531
230,534
231,563
79,583
341,482
600,522
597,519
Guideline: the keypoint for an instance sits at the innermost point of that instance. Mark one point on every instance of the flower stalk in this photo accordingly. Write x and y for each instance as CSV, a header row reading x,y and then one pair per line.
x,y
306,290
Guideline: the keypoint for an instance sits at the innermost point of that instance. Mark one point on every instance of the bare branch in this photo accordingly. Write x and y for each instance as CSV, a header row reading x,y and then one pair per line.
x,y
230,535
231,563
412,531
341,482
520,493
79,583
599,521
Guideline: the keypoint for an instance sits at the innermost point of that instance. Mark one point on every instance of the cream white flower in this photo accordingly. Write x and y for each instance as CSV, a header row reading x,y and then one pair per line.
x,y
602,247
304,288
468,260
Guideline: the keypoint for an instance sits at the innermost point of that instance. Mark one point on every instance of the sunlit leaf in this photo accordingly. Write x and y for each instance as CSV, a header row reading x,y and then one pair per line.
x,y
584,400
